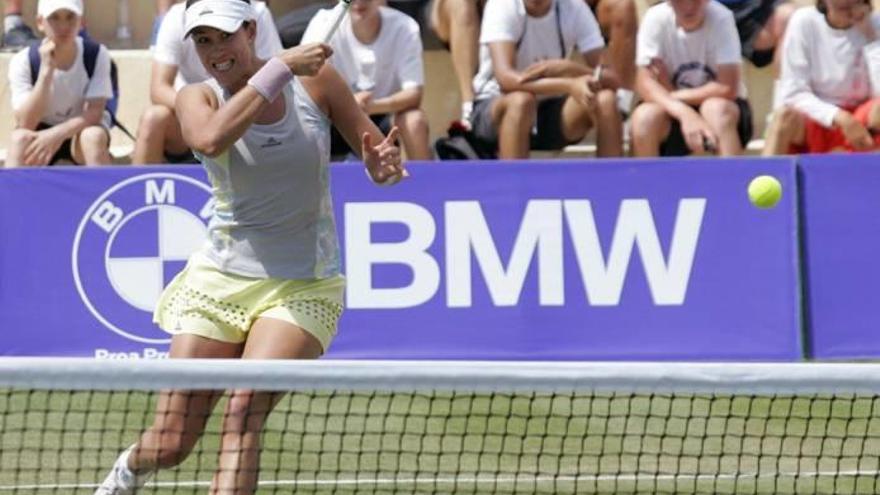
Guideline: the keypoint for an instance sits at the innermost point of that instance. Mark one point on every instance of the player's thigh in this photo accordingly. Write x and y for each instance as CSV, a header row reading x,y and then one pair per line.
x,y
273,338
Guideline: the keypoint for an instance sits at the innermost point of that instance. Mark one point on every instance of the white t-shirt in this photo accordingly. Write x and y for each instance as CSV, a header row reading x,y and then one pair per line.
x,y
538,38
391,63
692,57
172,49
823,68
70,88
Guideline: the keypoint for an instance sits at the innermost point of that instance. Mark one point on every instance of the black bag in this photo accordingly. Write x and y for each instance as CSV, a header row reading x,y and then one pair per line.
x,y
462,144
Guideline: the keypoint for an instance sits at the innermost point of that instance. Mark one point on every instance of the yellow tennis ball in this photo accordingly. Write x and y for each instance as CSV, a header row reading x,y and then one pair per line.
x,y
765,191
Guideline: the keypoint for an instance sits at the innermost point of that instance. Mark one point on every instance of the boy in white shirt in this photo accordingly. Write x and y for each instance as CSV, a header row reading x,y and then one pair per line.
x,y
61,115
378,51
176,64
825,90
528,94
689,76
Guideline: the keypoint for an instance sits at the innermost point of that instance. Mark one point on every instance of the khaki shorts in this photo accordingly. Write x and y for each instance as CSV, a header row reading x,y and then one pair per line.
x,y
205,301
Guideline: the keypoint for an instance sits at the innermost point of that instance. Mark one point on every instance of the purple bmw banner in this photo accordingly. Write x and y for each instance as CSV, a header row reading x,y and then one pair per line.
x,y
557,260
841,237
571,260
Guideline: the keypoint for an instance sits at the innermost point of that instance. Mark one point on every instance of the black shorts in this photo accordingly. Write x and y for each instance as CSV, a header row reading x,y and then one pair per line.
x,y
675,145
546,135
185,158
339,147
65,152
751,16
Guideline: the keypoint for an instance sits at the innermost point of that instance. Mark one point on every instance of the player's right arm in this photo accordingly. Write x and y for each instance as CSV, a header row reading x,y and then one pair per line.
x,y
211,129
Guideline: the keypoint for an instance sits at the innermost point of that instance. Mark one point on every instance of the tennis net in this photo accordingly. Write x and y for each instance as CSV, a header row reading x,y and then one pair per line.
x,y
383,427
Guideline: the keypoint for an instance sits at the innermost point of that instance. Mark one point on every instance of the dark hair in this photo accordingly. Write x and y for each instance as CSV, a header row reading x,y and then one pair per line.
x,y
822,7
190,2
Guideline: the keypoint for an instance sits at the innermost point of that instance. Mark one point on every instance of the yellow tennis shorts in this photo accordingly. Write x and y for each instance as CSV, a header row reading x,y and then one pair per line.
x,y
205,301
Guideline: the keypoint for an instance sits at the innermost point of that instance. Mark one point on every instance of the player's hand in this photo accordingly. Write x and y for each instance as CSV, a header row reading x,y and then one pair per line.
x,y
41,150
536,71
697,134
47,55
307,59
855,133
364,99
383,161
579,89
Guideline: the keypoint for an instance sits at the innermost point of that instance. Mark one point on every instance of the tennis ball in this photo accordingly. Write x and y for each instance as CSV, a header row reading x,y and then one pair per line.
x,y
765,191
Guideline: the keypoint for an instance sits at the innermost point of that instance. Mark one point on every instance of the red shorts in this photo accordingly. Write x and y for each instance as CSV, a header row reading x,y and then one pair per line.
x,y
820,139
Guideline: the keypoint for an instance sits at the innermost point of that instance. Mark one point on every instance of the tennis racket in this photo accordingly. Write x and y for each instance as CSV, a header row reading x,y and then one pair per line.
x,y
340,11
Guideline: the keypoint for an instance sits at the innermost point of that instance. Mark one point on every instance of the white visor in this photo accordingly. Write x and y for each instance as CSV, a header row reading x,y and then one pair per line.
x,y
225,15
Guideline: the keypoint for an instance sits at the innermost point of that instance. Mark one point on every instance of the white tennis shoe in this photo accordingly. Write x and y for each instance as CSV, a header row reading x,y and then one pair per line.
x,y
120,480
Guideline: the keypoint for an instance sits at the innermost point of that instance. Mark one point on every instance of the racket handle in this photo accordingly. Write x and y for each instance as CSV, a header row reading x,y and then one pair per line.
x,y
341,10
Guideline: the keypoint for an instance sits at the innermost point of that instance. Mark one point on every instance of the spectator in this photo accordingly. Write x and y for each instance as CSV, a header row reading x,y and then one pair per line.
x,y
176,64
619,22
690,77
528,94
16,33
378,52
761,27
61,114
825,89
457,24
162,7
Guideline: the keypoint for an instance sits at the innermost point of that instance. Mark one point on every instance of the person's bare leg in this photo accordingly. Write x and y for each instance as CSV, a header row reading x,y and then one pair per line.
x,y
650,126
457,22
514,115
180,414
787,129
18,143
158,132
92,146
770,37
413,126
619,20
722,115
609,125
238,469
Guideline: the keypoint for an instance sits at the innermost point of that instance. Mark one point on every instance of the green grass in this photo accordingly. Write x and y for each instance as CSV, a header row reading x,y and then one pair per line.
x,y
470,444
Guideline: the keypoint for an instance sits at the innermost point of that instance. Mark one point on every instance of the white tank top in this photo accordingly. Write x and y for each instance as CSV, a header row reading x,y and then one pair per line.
x,y
273,214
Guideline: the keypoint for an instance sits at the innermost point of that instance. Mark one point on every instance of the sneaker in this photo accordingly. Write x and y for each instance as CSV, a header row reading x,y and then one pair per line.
x,y
18,37
120,480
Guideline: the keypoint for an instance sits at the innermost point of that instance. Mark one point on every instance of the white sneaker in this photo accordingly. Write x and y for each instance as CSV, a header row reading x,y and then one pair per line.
x,y
120,480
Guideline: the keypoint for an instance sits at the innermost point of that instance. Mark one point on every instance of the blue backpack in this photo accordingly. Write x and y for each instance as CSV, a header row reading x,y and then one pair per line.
x,y
90,58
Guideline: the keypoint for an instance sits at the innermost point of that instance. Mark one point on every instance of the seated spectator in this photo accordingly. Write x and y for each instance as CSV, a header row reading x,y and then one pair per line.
x,y
16,34
528,94
378,51
690,78
457,24
60,114
824,90
761,27
176,64
619,21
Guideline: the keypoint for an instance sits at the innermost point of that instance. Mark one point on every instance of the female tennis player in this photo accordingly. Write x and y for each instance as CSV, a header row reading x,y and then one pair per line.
x,y
268,285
